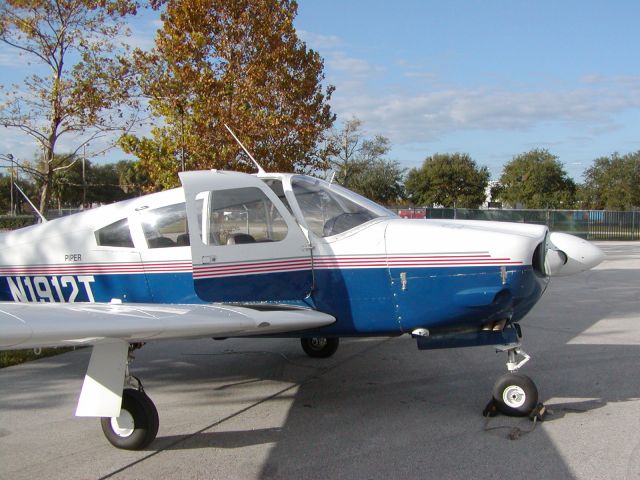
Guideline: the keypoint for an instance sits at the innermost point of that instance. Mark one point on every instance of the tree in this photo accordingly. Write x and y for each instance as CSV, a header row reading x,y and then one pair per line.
x,y
379,180
132,179
359,163
5,194
99,184
239,63
613,183
536,179
449,180
86,86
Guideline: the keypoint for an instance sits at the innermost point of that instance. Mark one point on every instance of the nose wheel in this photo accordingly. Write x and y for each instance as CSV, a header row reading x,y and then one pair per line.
x,y
514,394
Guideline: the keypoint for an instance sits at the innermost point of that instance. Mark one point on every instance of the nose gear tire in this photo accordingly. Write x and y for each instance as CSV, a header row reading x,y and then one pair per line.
x,y
515,395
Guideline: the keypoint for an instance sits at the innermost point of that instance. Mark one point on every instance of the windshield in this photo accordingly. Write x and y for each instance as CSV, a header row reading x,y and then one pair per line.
x,y
331,209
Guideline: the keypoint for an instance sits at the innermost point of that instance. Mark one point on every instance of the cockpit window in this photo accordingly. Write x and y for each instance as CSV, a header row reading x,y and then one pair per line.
x,y
331,209
166,226
116,234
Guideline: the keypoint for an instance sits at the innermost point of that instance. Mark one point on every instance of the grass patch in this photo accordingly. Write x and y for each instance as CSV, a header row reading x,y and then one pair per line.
x,y
15,357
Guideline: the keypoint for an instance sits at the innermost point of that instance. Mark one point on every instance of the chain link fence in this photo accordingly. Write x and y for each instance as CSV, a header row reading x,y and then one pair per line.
x,y
589,224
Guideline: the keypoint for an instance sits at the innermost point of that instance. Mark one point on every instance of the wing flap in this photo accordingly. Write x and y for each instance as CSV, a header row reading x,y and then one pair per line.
x,y
30,325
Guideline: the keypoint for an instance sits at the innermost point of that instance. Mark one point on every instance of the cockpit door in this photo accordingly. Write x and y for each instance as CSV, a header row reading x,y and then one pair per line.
x,y
245,245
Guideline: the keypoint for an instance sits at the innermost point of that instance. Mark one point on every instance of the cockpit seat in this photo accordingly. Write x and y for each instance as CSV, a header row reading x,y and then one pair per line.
x,y
183,240
160,242
239,238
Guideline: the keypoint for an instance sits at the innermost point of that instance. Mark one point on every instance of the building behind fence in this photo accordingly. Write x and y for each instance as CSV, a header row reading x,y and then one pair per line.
x,y
589,224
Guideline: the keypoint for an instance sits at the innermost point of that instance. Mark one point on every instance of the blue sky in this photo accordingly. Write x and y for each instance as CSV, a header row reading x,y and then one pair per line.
x,y
492,78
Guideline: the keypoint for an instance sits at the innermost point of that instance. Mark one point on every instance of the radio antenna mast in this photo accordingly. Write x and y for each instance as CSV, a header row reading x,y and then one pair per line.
x,y
260,169
42,219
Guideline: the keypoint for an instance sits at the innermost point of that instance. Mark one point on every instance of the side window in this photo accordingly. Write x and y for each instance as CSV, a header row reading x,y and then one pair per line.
x,y
166,226
240,215
115,235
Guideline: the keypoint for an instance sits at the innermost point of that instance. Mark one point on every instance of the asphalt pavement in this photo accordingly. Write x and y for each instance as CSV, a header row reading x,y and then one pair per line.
x,y
378,409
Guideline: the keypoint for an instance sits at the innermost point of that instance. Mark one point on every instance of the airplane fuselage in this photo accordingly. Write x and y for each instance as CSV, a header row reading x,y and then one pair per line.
x,y
384,276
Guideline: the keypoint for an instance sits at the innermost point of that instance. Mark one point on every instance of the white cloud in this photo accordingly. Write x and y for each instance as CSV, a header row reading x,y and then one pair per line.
x,y
10,57
352,66
425,116
318,41
421,75
143,35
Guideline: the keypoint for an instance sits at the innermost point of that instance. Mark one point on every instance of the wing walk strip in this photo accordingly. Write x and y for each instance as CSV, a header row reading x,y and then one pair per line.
x,y
310,378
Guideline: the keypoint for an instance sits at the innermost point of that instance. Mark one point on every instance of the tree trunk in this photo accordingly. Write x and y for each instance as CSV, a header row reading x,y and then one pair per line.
x,y
47,179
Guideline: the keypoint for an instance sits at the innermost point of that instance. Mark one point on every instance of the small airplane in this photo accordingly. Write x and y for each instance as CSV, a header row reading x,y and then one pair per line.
x,y
232,254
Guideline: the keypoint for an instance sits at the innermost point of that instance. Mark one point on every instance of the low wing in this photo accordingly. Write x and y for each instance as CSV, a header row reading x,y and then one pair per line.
x,y
29,325
110,328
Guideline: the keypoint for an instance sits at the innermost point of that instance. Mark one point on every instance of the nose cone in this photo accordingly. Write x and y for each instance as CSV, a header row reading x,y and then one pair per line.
x,y
569,254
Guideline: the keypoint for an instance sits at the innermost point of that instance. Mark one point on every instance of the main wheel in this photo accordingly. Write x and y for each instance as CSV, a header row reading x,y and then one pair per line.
x,y
516,395
137,425
320,347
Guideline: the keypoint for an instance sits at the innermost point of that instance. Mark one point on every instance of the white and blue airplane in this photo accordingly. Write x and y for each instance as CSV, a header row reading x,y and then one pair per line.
x,y
231,254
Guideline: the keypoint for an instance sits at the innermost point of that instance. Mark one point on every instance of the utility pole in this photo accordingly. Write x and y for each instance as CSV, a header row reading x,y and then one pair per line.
x,y
9,157
84,181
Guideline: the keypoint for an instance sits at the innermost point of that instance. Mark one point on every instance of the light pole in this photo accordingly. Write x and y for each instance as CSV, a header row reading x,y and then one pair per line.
x,y
84,181
9,157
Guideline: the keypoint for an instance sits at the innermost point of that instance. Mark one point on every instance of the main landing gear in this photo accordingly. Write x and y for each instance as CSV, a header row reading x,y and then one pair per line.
x,y
320,347
137,425
514,394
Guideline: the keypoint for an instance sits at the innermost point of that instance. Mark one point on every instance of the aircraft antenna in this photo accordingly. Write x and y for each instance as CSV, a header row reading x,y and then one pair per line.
x,y
333,175
260,169
44,220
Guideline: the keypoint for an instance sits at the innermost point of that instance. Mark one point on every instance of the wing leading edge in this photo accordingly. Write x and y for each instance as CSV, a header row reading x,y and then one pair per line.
x,y
30,325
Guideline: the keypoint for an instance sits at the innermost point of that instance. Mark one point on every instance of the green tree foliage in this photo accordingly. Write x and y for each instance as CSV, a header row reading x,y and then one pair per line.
x,y
132,179
7,190
5,194
86,83
239,63
379,180
448,180
613,183
100,184
536,179
359,164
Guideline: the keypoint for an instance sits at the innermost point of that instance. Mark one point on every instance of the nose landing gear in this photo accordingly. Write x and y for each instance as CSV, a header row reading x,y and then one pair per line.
x,y
514,394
